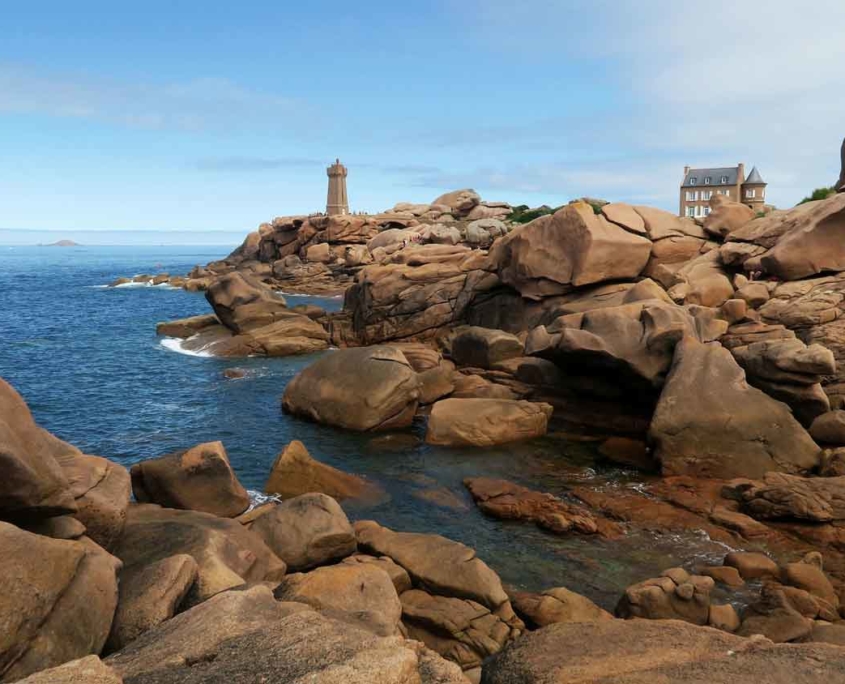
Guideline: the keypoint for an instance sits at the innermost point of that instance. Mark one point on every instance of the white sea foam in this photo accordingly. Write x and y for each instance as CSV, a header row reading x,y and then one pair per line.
x,y
257,499
174,344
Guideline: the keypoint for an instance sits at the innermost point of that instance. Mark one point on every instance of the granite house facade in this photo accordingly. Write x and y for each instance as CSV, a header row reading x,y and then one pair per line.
x,y
699,185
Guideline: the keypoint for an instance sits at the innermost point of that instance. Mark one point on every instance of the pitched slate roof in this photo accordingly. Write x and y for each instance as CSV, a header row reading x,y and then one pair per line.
x,y
715,175
755,177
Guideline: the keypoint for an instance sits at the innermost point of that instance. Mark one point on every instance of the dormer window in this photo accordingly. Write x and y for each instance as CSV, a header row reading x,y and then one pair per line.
x,y
693,180
724,180
707,180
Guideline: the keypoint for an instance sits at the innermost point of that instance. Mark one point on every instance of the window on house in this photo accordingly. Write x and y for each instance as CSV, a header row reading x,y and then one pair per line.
x,y
727,193
707,180
707,194
693,180
690,211
750,194
724,180
707,211
689,195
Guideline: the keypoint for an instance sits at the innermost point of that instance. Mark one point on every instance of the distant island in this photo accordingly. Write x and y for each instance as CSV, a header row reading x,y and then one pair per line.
x,y
63,243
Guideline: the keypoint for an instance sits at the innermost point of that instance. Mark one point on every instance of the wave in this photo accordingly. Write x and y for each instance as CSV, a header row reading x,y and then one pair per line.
x,y
309,296
146,283
174,344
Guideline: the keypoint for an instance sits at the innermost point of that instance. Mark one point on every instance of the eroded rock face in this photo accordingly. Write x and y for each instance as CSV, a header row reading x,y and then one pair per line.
x,y
196,479
33,485
797,243
710,423
295,472
307,531
372,388
416,291
572,248
57,602
460,630
227,554
602,652
634,343
486,422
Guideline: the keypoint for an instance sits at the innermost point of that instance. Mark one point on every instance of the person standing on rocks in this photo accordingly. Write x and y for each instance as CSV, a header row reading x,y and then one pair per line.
x,y
840,186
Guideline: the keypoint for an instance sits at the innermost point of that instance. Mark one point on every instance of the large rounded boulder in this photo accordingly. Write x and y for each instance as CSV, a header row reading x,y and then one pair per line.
x,y
370,388
486,422
196,479
574,247
57,602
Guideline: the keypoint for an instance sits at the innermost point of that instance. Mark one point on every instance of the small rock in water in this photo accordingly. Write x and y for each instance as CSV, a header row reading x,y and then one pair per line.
x,y
234,373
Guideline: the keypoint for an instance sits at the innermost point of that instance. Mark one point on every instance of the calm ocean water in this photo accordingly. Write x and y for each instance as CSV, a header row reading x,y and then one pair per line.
x,y
87,360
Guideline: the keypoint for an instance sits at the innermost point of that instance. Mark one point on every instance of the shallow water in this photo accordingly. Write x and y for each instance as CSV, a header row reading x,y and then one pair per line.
x,y
88,361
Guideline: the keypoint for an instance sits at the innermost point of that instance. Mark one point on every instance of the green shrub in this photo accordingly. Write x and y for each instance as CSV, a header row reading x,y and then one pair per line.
x,y
523,214
819,194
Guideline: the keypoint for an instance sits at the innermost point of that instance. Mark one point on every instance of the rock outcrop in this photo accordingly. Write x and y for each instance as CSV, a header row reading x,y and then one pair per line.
x,y
249,636
416,292
572,248
33,484
797,243
295,472
602,651
710,423
196,479
57,602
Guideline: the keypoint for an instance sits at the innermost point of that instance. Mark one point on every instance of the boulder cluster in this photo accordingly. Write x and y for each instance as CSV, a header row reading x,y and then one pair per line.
x,y
189,582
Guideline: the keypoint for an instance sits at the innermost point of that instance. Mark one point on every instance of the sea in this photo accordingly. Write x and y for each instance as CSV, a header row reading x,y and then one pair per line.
x,y
87,360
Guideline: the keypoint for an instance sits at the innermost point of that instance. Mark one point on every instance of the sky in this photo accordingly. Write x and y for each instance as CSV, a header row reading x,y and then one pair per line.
x,y
203,119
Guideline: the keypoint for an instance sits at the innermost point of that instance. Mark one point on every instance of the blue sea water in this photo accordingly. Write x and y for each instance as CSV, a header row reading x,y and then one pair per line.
x,y
87,360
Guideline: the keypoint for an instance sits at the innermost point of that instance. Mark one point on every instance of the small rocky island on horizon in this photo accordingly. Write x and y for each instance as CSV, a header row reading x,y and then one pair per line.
x,y
61,243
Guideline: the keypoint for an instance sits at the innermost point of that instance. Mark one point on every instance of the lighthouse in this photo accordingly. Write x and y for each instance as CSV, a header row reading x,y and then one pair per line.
x,y
337,201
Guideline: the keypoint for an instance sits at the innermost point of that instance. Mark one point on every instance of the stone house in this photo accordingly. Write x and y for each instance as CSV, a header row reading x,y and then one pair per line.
x,y
699,185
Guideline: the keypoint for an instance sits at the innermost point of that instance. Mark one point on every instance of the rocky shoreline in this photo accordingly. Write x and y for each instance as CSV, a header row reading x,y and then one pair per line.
x,y
705,355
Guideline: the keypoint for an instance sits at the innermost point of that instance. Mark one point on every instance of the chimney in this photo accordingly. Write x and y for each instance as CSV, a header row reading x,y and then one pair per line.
x,y
686,171
741,173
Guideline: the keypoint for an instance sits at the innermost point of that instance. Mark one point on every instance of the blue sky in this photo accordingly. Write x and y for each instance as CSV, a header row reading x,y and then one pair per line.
x,y
203,118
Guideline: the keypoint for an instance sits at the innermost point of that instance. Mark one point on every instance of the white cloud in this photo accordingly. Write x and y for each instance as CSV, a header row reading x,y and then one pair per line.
x,y
717,83
188,105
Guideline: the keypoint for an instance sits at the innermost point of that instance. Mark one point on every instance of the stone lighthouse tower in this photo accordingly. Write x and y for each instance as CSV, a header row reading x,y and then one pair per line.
x,y
337,202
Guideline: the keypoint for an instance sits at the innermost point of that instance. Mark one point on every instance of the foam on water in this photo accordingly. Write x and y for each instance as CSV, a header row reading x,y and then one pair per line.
x,y
174,344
